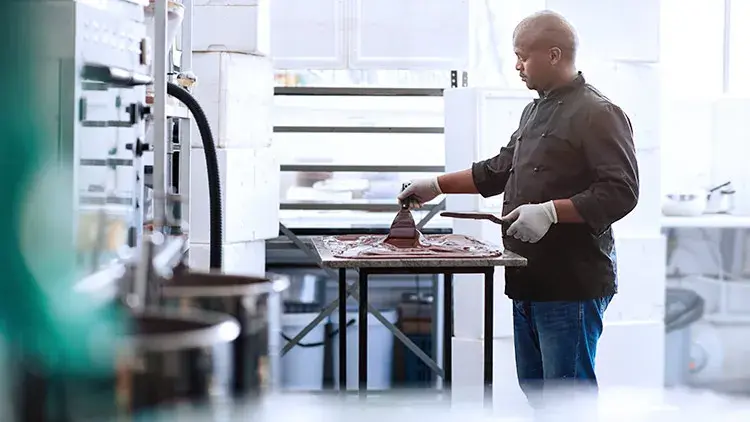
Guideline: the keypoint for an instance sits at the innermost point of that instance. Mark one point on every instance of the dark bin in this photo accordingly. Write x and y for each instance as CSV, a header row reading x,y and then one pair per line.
x,y
683,307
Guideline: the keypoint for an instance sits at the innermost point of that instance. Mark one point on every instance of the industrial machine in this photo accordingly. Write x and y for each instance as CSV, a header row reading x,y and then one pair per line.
x,y
95,68
97,59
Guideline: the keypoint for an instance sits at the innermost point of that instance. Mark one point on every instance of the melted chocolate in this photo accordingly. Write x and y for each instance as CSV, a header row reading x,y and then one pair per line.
x,y
403,233
432,246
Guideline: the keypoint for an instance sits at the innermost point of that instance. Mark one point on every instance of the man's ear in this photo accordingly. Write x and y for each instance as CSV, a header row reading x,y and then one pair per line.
x,y
555,55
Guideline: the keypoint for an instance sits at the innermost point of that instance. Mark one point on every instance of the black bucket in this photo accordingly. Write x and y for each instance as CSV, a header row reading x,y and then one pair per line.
x,y
683,307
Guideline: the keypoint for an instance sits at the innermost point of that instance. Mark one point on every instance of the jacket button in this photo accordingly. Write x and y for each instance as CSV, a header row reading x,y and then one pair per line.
x,y
544,134
536,169
512,170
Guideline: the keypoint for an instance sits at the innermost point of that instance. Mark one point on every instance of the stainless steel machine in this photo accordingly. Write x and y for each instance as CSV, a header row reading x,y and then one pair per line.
x,y
97,58
94,59
95,68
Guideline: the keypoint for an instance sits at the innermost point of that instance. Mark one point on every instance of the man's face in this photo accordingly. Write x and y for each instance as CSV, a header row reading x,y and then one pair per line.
x,y
533,64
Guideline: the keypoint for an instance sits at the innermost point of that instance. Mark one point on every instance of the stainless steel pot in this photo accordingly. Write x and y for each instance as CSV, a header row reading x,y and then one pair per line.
x,y
721,201
245,366
163,357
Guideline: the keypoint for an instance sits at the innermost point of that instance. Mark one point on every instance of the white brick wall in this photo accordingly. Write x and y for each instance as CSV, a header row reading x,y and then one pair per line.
x,y
241,26
250,195
239,258
236,93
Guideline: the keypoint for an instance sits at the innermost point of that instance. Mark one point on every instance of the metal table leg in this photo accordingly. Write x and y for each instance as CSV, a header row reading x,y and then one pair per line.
x,y
363,332
342,330
360,293
489,333
447,330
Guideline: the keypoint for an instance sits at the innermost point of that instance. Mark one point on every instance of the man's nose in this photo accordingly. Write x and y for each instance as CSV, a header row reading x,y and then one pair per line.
x,y
519,65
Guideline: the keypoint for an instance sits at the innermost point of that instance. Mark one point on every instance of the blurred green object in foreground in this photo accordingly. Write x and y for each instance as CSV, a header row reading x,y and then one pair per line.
x,y
40,315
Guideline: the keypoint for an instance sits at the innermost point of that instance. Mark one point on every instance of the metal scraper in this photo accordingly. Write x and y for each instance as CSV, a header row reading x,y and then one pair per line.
x,y
403,232
478,216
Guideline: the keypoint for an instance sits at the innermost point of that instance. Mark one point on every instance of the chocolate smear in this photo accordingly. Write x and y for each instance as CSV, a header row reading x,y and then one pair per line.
x,y
403,232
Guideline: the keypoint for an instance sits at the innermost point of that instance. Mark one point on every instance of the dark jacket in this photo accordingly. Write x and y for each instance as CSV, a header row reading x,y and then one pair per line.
x,y
571,143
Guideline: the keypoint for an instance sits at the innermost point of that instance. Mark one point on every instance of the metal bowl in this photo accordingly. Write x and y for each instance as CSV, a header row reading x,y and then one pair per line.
x,y
168,330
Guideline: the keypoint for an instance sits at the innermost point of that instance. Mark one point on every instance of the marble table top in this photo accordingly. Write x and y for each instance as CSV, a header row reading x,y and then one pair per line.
x,y
507,259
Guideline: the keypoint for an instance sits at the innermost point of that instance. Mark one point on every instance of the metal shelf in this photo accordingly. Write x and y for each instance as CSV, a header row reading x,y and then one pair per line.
x,y
347,206
358,92
323,231
357,129
707,221
365,206
361,168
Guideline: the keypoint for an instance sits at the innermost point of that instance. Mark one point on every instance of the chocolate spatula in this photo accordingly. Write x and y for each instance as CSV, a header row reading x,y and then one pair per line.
x,y
403,232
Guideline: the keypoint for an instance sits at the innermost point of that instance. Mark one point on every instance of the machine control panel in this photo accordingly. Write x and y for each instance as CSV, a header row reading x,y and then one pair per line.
x,y
112,74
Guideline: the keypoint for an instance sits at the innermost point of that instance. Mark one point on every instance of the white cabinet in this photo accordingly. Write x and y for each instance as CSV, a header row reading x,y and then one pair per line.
x,y
308,34
614,29
409,34
370,34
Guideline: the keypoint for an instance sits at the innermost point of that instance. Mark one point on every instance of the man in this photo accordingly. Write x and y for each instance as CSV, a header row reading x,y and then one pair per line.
x,y
568,173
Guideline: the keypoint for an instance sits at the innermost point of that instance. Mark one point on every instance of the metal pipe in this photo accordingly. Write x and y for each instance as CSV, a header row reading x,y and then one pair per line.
x,y
185,129
169,257
103,283
160,113
143,271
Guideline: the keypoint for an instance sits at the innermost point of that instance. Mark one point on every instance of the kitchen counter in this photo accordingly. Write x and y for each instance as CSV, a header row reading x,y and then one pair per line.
x,y
727,221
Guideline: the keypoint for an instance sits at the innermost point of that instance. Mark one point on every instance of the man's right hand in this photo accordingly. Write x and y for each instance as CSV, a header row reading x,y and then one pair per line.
x,y
419,192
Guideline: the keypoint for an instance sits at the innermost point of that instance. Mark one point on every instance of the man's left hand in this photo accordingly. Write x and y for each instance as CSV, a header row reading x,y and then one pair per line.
x,y
531,222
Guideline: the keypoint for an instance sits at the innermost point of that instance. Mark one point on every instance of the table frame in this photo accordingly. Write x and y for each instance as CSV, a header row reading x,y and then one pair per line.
x,y
359,291
448,272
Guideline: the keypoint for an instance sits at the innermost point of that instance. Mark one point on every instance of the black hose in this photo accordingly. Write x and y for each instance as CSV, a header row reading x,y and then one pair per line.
x,y
212,167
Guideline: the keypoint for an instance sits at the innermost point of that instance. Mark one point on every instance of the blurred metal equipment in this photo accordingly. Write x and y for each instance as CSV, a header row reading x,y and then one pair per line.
x,y
99,61
163,357
250,301
170,354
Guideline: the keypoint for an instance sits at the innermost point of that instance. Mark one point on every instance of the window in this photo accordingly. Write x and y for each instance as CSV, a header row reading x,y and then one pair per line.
x,y
692,48
310,189
739,46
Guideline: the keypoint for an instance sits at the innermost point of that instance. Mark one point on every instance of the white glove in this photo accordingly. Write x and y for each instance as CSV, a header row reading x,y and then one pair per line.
x,y
531,221
420,191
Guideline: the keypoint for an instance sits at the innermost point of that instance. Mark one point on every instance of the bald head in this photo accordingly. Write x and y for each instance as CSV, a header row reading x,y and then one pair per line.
x,y
545,45
546,30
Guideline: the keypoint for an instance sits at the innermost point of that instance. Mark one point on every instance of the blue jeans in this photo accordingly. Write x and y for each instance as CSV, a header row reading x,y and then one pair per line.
x,y
555,344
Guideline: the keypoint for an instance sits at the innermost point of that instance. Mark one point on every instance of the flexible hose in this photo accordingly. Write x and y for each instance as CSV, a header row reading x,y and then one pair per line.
x,y
212,168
